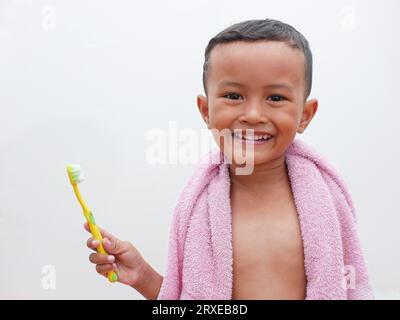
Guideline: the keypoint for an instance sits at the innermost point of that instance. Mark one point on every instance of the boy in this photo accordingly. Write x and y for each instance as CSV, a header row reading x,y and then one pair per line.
x,y
257,77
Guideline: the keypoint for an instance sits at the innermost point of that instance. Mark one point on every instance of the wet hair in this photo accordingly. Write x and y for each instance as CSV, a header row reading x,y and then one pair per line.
x,y
258,30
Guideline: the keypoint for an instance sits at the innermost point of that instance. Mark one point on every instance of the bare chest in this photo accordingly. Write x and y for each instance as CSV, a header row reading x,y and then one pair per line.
x,y
268,259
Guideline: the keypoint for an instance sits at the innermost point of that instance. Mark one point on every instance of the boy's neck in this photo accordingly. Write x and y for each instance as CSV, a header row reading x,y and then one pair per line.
x,y
265,177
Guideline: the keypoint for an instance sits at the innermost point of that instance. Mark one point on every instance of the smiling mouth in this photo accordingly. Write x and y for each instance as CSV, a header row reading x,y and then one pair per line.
x,y
252,138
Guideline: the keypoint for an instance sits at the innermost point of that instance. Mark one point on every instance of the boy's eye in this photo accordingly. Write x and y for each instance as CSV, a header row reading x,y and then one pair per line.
x,y
232,96
236,96
276,98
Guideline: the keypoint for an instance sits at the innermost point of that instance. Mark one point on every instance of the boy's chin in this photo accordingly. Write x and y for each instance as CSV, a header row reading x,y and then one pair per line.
x,y
252,156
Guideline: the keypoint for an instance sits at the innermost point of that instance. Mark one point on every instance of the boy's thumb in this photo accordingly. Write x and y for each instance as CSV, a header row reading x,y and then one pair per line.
x,y
111,246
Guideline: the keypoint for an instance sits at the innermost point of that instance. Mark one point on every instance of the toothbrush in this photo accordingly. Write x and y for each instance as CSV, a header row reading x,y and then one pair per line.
x,y
75,175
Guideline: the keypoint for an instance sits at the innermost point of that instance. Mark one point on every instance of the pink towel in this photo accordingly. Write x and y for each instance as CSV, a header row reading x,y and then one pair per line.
x,y
200,248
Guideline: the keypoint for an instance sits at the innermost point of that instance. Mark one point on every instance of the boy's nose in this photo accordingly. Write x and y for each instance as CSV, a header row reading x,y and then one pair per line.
x,y
254,113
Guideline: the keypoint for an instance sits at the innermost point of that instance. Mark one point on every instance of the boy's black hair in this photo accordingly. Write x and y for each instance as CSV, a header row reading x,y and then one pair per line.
x,y
256,30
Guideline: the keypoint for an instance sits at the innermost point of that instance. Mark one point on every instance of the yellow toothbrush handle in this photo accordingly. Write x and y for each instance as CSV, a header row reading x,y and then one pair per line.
x,y
111,275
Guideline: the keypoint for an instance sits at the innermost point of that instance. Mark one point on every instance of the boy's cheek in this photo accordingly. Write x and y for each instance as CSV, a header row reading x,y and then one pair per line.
x,y
287,123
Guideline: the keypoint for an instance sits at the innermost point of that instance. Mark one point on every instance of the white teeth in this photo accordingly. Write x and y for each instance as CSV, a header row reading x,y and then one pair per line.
x,y
251,137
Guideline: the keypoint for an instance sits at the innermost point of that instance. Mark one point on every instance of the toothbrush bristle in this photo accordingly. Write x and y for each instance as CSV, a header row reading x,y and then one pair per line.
x,y
76,173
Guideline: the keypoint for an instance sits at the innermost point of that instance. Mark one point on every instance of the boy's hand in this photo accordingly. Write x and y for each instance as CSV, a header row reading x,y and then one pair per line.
x,y
122,257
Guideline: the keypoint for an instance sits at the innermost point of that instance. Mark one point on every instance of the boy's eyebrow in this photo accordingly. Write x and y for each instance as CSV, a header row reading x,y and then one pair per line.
x,y
237,84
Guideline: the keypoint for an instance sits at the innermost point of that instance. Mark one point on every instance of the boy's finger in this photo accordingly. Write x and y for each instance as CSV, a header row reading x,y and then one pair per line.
x,y
92,244
104,268
98,258
104,233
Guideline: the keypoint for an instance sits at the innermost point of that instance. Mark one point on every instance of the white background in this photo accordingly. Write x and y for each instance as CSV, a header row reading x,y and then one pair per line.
x,y
85,81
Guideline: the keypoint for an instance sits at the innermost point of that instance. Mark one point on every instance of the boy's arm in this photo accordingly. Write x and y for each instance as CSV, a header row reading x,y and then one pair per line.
x,y
149,283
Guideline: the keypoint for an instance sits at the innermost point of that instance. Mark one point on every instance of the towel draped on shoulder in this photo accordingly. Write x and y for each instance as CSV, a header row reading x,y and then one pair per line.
x,y
199,262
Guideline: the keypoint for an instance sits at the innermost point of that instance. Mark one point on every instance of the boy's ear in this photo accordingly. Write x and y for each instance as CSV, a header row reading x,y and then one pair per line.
x,y
309,110
202,105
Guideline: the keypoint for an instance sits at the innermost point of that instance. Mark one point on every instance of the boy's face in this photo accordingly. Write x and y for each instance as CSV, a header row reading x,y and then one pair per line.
x,y
257,85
